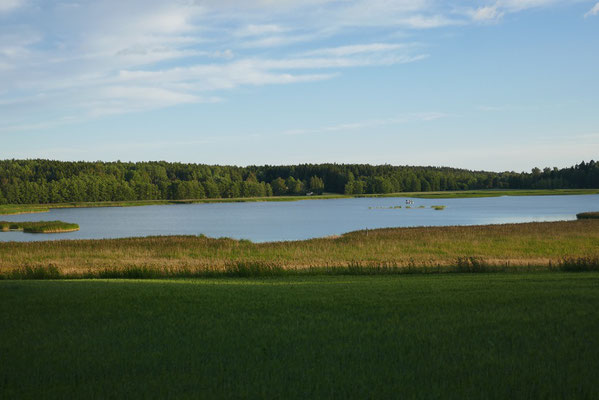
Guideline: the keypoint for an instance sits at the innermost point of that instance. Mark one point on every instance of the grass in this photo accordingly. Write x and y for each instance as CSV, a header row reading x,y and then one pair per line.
x,y
35,208
10,209
588,215
542,245
39,227
491,336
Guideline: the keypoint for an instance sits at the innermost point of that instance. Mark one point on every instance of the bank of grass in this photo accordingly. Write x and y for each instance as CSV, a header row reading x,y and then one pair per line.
x,y
35,208
10,209
39,226
588,215
509,247
493,336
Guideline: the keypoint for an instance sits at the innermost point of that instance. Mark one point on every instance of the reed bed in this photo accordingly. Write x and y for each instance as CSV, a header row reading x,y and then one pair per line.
x,y
395,250
39,227
13,209
588,215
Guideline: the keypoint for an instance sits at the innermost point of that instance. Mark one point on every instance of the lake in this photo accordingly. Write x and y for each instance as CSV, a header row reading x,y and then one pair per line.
x,y
296,220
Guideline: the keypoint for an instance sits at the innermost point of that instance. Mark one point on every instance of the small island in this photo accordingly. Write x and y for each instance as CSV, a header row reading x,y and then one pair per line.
x,y
39,227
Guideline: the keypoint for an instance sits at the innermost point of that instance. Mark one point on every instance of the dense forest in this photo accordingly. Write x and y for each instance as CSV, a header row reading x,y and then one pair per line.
x,y
46,181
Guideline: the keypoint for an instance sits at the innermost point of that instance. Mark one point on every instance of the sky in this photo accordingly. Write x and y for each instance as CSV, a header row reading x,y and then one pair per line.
x,y
501,85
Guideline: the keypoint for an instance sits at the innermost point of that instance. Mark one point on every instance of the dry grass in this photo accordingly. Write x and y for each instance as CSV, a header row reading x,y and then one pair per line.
x,y
530,244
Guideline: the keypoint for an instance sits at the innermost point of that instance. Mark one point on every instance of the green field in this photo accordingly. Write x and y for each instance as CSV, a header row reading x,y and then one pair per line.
x,y
457,336
8,209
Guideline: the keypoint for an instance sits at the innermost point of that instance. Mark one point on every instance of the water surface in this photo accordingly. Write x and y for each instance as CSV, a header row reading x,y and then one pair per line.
x,y
296,220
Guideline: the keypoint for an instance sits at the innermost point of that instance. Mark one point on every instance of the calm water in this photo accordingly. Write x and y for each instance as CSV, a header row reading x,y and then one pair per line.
x,y
271,221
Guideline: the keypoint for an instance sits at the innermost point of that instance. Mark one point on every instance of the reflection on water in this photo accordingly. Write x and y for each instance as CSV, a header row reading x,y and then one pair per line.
x,y
271,221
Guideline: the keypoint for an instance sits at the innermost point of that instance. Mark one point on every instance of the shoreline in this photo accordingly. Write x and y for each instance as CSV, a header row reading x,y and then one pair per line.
x,y
8,209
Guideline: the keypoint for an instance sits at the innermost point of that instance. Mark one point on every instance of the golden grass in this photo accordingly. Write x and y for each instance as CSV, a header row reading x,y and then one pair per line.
x,y
530,244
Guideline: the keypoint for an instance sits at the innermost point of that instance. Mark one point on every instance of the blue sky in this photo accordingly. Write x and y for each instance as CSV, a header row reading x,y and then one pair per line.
x,y
495,85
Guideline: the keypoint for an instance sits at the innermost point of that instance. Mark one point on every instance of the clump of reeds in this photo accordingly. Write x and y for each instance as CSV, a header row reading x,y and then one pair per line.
x,y
588,215
34,272
12,209
39,226
438,207
473,264
253,269
579,264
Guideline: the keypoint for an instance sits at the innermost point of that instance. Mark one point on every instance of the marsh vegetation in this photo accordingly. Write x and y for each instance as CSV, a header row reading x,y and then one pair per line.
x,y
588,215
39,227
538,246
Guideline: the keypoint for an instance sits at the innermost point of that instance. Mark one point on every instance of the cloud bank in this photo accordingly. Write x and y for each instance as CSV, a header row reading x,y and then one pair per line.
x,y
593,11
68,61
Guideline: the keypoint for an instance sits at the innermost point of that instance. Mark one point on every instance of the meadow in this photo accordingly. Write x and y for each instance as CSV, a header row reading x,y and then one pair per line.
x,y
509,247
493,336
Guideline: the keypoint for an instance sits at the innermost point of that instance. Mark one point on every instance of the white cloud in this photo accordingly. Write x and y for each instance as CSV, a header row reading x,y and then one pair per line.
x,y
10,5
487,13
278,40
88,58
495,10
257,30
593,11
427,22
356,49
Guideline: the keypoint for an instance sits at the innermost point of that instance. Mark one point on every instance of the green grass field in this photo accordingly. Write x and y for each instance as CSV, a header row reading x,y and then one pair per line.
x,y
492,336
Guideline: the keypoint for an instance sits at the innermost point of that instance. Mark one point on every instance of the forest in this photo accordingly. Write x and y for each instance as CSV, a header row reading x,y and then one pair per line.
x,y
46,181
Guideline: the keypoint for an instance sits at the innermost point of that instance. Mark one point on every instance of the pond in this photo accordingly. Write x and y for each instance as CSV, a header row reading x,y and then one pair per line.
x,y
296,220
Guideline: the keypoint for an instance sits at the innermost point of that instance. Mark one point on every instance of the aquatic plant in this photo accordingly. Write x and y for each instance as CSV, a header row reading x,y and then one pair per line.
x,y
39,226
588,215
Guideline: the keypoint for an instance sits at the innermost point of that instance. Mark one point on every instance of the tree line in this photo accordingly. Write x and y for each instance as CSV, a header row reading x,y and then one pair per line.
x,y
46,181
